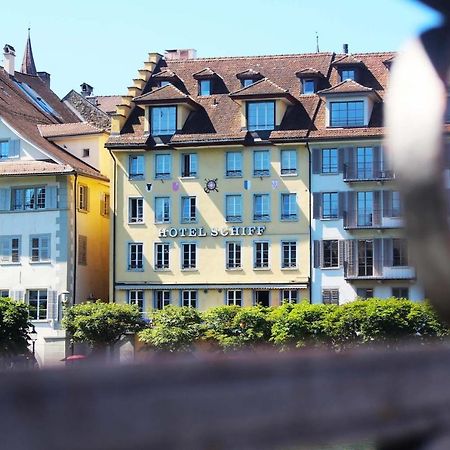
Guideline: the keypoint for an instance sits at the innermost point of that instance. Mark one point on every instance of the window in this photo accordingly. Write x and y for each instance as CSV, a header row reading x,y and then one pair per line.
x,y
4,293
4,149
364,163
233,255
188,209
261,163
28,198
136,297
261,255
136,210
348,74
86,152
37,301
288,207
347,114
189,299
396,204
365,258
330,296
329,160
136,167
289,296
40,248
82,250
288,162
364,292
161,299
309,86
163,83
163,166
234,164
189,165
330,254
104,204
247,82
365,209
233,208
399,252
330,202
161,255
400,292
261,207
9,249
83,198
262,298
204,87
260,116
288,254
135,261
10,149
189,256
162,209
164,120
234,297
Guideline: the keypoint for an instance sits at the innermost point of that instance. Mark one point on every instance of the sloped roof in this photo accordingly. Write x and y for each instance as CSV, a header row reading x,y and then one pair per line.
x,y
261,88
204,73
165,74
107,103
350,60
309,72
68,129
22,115
167,94
346,87
17,168
249,73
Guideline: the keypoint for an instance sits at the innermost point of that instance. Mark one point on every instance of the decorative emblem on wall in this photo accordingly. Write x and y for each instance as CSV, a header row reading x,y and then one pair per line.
x,y
210,185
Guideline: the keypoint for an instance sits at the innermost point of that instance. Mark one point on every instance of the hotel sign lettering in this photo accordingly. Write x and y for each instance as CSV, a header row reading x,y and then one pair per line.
x,y
213,232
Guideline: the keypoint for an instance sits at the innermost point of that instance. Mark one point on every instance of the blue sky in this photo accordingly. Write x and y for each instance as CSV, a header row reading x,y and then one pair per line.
x,y
104,42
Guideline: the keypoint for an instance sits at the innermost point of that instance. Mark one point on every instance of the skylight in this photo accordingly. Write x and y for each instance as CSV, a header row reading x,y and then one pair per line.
x,y
37,100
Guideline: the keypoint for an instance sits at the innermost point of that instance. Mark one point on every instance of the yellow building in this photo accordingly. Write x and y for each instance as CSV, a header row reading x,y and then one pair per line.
x,y
211,181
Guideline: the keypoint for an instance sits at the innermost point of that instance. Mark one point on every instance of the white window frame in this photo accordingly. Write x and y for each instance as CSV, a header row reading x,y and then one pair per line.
x,y
139,210
163,249
165,298
233,250
188,209
234,297
189,298
137,297
191,262
189,165
138,264
10,249
292,262
289,296
136,167
264,248
39,301
30,198
83,198
40,253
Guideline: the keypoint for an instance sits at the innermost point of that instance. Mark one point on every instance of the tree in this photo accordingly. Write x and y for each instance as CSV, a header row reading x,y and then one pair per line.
x,y
101,324
173,329
13,327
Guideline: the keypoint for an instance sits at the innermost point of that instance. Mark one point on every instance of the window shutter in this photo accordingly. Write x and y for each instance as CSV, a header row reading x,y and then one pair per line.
x,y
341,160
387,253
316,160
377,162
52,309
5,199
321,258
316,256
51,197
387,203
5,249
351,209
378,266
62,196
14,148
350,263
102,204
377,208
18,295
341,253
317,205
45,248
342,198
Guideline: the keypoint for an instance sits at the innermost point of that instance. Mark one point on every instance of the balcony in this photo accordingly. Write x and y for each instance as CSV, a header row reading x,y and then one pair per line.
x,y
368,171
356,220
370,269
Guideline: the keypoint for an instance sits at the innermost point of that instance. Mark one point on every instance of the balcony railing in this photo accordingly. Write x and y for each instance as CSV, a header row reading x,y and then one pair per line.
x,y
373,269
367,171
355,219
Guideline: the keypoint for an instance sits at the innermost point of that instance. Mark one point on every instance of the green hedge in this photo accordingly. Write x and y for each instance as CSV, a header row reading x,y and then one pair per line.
x,y
230,327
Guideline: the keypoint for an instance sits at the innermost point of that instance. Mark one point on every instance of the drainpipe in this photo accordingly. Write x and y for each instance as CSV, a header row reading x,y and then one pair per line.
x,y
75,231
114,226
310,216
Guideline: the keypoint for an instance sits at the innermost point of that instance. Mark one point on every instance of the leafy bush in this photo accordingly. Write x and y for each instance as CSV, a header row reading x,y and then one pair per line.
x,y
173,329
101,324
13,327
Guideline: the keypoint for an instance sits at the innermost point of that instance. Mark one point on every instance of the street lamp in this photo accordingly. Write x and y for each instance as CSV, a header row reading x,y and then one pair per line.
x,y
61,303
33,337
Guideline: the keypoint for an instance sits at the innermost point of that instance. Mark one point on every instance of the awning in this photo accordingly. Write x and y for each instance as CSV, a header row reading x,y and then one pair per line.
x,y
254,286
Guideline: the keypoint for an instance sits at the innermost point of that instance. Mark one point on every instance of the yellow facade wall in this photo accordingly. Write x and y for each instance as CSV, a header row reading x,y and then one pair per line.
x,y
211,255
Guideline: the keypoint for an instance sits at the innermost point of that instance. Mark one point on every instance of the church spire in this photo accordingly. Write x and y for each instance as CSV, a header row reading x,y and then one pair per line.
x,y
28,65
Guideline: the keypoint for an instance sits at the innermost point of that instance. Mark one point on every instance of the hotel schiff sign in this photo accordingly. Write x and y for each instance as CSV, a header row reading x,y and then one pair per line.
x,y
213,232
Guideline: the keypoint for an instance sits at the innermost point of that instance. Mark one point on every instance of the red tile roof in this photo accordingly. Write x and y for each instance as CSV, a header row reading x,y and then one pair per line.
x,y
68,129
350,60
346,86
20,168
261,87
204,73
165,75
167,93
249,73
107,103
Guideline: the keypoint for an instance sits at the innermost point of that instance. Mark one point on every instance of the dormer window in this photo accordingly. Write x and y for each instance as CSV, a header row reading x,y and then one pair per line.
x,y
163,83
163,120
247,82
347,114
348,74
308,86
204,87
260,116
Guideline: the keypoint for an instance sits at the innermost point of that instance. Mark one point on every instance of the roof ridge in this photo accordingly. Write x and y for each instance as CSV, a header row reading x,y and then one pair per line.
x,y
221,58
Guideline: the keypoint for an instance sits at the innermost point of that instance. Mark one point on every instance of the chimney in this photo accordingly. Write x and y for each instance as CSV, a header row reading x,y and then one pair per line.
x,y
345,48
86,90
180,53
9,59
45,77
